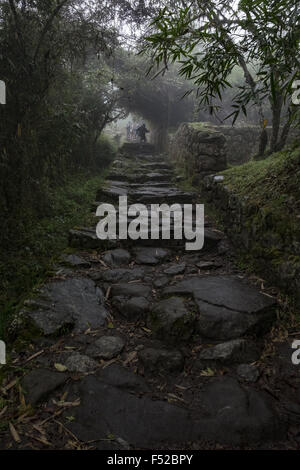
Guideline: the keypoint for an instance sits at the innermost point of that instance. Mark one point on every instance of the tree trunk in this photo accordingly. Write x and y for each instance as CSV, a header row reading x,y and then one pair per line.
x,y
276,115
284,135
263,142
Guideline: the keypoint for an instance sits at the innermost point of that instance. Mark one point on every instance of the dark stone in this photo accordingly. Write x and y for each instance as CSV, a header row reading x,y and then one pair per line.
x,y
80,363
161,282
161,359
248,372
228,307
112,193
236,415
130,290
151,256
39,383
171,321
106,347
116,275
212,239
105,410
86,238
207,265
228,414
234,351
117,257
156,195
135,308
123,378
175,269
74,303
76,261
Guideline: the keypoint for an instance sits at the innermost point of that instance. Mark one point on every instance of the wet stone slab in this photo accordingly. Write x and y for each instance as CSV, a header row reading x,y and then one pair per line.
x,y
229,413
228,307
40,383
75,304
151,255
106,410
116,275
171,321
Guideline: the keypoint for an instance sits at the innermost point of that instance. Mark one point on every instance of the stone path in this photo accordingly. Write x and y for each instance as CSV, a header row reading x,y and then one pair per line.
x,y
145,345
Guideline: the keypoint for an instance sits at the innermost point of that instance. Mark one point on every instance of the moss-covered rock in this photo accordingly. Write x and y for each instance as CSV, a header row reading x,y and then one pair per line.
x,y
171,321
259,204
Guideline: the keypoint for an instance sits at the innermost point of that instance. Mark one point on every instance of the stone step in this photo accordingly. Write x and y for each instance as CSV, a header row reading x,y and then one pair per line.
x,y
228,306
136,148
157,165
86,238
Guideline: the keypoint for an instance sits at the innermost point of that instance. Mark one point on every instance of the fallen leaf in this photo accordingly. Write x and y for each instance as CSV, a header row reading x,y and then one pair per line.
x,y
60,367
207,372
14,433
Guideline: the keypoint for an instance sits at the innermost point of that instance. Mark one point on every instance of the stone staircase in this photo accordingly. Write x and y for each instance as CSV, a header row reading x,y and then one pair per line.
x,y
161,347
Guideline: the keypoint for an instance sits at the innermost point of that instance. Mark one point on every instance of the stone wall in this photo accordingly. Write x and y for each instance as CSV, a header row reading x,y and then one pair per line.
x,y
242,142
198,150
237,146
267,241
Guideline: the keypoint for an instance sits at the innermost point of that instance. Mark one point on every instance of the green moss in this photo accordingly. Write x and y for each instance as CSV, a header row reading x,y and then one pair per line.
x,y
203,126
27,259
267,181
269,192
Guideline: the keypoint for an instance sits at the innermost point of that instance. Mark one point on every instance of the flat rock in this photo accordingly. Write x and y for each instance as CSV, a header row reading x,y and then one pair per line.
x,y
116,275
175,269
248,372
158,176
230,352
171,321
134,308
106,347
112,193
228,307
142,422
117,257
80,363
236,415
76,261
161,281
150,255
156,195
161,359
70,304
229,413
86,238
39,383
207,265
123,378
212,239
134,289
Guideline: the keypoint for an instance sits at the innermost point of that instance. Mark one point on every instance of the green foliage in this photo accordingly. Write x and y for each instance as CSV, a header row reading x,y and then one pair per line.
x,y
157,100
56,109
270,181
28,258
210,39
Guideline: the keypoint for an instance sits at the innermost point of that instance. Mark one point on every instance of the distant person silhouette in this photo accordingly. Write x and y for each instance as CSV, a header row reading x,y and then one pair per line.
x,y
142,131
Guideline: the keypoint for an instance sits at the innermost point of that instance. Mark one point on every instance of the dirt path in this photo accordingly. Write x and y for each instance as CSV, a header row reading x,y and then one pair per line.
x,y
146,345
